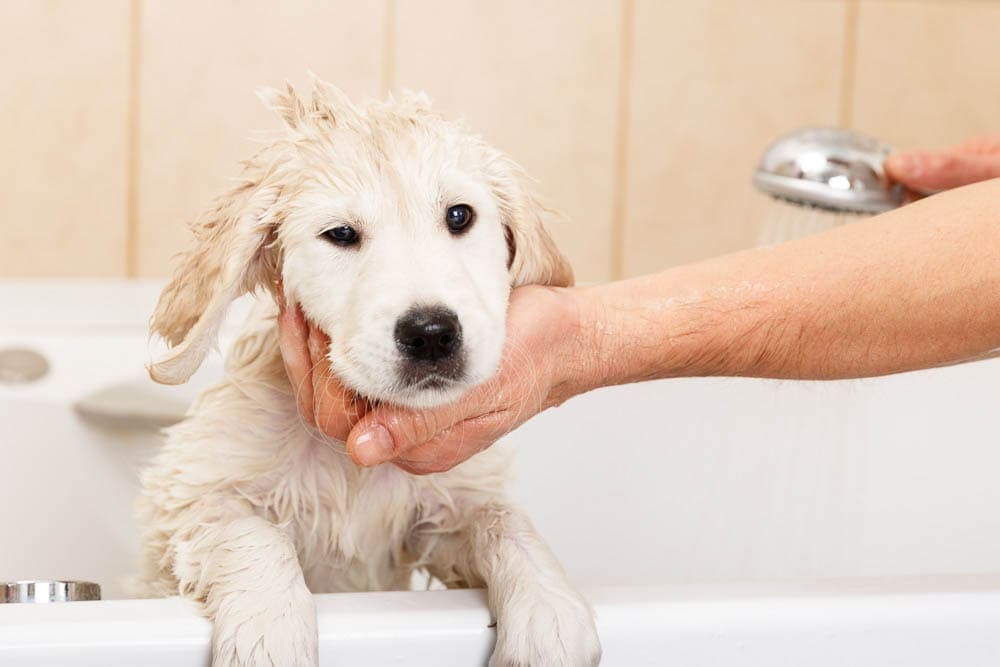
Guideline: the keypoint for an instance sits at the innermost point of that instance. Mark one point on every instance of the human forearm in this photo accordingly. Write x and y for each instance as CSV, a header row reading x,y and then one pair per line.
x,y
913,288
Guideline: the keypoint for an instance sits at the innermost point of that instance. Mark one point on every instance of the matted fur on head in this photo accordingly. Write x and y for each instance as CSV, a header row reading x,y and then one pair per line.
x,y
399,233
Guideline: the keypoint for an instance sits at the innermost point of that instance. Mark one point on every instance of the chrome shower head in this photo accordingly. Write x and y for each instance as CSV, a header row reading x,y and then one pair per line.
x,y
829,168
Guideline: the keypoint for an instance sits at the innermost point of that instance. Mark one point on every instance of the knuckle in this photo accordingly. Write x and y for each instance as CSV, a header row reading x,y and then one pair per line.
x,y
411,428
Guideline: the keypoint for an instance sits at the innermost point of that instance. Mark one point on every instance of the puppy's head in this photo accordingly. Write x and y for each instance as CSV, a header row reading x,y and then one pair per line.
x,y
399,234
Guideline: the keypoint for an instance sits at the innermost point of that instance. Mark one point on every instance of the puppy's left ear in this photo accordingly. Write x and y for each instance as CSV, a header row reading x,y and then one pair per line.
x,y
231,255
533,257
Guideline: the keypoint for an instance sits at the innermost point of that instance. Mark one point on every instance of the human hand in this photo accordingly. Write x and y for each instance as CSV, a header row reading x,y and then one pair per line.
x,y
323,401
931,171
540,368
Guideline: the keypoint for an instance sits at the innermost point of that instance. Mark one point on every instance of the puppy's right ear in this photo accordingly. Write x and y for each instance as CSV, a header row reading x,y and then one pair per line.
x,y
532,255
232,253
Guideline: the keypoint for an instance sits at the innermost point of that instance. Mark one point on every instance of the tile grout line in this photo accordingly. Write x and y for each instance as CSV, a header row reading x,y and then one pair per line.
x,y
389,47
848,81
621,139
132,144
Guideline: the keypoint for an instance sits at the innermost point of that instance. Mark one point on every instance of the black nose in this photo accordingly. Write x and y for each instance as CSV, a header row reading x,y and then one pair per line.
x,y
428,334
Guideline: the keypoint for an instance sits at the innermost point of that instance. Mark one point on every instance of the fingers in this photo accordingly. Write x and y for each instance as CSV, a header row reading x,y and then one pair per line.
x,y
335,409
441,452
293,339
323,401
457,443
928,172
387,433
427,440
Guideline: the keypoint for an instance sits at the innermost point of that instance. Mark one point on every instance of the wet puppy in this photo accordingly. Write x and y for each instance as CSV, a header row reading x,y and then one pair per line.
x,y
400,235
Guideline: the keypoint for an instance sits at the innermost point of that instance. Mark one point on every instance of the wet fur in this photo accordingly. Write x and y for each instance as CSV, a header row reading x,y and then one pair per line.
x,y
247,509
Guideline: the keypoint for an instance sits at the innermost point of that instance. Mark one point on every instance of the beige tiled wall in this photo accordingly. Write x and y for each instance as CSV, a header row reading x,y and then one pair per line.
x,y
641,119
937,81
63,137
709,87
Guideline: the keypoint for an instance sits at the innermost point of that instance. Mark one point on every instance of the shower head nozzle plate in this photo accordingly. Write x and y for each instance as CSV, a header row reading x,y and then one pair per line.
x,y
829,168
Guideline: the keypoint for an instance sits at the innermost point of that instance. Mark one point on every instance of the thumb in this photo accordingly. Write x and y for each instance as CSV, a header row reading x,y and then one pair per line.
x,y
930,172
384,434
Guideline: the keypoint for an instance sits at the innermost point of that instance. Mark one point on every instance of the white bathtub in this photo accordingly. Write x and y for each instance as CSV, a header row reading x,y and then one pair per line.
x,y
712,522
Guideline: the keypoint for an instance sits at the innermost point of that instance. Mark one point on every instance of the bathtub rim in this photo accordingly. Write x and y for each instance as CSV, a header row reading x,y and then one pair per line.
x,y
887,619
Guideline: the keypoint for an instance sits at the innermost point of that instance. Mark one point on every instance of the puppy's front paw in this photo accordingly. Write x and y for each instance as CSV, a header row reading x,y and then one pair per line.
x,y
542,628
249,631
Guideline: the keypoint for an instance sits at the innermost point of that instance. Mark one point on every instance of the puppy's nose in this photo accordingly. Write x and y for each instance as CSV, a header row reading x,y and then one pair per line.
x,y
428,334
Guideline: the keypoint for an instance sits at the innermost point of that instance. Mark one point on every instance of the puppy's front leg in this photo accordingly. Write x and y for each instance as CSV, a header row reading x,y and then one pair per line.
x,y
248,577
541,619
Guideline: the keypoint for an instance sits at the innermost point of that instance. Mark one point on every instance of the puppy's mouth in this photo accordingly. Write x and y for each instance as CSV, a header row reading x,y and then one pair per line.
x,y
421,387
421,376
432,383
398,381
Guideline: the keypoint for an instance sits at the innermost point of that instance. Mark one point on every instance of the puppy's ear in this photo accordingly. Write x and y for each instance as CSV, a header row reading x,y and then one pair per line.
x,y
533,257
231,254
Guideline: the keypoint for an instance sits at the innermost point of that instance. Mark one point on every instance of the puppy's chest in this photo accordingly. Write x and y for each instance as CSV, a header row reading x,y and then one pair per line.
x,y
350,526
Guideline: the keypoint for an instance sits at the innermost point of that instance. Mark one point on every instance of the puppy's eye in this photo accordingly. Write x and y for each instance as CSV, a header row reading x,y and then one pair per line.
x,y
459,218
344,235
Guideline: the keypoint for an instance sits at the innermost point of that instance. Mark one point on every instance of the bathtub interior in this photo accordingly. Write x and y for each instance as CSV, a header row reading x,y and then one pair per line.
x,y
713,479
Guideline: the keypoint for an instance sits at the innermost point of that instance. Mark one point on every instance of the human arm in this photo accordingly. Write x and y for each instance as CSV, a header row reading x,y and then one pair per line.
x,y
916,287
913,288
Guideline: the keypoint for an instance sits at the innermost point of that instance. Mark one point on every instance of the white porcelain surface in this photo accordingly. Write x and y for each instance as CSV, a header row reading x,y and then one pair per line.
x,y
874,623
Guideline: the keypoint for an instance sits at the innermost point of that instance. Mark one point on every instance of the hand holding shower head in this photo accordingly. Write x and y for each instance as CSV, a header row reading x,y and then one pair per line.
x,y
829,168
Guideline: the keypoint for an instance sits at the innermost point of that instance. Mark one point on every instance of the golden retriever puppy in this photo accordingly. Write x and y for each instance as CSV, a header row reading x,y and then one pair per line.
x,y
400,235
